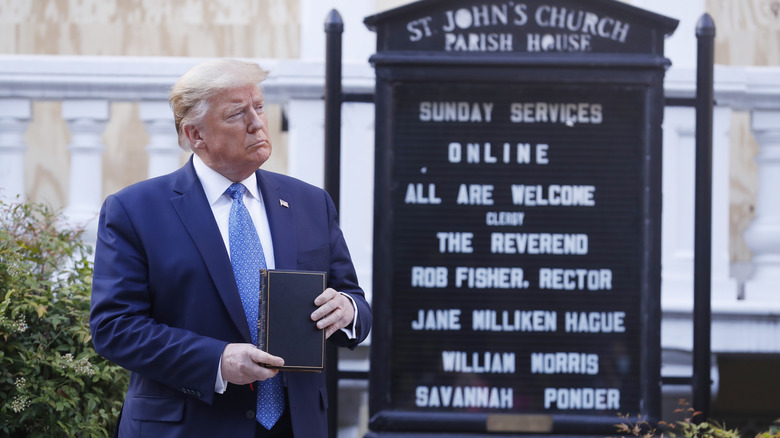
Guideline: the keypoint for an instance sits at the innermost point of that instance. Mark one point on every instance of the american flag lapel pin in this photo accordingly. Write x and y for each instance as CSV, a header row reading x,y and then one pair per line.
x,y
284,203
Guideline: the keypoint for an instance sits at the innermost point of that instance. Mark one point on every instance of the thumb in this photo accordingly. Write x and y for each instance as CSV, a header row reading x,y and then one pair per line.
x,y
263,358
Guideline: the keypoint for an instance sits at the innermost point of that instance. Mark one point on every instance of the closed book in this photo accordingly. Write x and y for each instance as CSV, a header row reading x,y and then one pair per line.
x,y
285,327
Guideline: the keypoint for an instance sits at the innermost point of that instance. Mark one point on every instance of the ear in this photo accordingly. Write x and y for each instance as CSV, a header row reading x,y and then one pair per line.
x,y
195,136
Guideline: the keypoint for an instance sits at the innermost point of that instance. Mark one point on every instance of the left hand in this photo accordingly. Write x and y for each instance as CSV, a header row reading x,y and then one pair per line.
x,y
334,311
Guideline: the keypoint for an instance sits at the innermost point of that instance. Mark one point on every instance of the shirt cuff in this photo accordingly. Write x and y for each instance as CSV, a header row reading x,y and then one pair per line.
x,y
220,385
350,329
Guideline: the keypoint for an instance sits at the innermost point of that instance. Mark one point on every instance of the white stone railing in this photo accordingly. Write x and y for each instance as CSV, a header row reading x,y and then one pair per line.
x,y
755,90
745,317
87,85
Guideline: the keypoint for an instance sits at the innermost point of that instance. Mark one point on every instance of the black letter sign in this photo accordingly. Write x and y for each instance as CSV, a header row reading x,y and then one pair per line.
x,y
517,216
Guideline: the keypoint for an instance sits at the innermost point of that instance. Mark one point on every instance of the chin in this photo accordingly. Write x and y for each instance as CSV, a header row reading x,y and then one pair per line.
x,y
261,157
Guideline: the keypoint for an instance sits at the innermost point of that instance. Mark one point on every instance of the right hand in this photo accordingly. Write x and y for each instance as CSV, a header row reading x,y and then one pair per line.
x,y
241,364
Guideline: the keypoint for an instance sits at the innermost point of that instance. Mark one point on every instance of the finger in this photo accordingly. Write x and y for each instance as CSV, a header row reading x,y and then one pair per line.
x,y
335,322
265,365
322,311
325,296
262,358
332,312
239,364
333,328
328,321
328,301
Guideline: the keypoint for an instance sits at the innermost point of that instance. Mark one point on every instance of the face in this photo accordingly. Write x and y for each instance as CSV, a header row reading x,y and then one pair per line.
x,y
233,136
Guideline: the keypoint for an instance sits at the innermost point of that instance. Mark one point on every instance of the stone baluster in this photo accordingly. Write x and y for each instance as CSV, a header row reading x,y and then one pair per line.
x,y
763,234
15,115
86,120
306,145
163,148
357,186
678,210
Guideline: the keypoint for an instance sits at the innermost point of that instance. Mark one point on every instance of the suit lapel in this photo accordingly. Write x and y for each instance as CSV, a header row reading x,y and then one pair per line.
x,y
195,213
280,210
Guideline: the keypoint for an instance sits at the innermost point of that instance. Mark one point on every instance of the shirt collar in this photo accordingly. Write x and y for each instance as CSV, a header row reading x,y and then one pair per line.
x,y
214,183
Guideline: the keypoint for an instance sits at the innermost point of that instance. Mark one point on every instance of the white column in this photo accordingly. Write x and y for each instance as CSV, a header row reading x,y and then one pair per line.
x,y
86,120
357,188
15,115
678,211
763,234
306,157
306,147
163,148
724,287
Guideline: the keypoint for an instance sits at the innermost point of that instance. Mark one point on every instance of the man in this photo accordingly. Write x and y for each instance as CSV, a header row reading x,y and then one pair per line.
x,y
170,276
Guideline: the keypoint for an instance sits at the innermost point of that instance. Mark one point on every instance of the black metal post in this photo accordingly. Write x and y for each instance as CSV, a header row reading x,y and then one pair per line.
x,y
702,239
334,27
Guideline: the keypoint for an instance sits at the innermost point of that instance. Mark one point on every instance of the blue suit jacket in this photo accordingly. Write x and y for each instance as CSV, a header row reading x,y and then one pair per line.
x,y
165,302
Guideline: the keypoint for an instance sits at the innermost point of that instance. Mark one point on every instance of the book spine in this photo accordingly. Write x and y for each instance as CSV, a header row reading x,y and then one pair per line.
x,y
262,332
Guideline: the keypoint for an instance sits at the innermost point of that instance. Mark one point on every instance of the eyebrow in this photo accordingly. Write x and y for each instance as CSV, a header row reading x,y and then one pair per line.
x,y
238,104
233,106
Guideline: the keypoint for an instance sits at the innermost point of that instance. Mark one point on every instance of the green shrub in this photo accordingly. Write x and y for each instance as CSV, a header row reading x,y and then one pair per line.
x,y
693,426
52,383
772,432
690,426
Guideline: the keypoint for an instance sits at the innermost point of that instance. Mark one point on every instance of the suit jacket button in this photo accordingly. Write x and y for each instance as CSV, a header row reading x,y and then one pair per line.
x,y
250,414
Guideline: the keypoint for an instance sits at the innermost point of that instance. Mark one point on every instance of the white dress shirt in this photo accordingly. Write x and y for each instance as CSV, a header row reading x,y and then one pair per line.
x,y
214,185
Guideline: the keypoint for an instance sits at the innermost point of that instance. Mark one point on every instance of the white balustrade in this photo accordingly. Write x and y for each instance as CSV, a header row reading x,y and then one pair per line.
x,y
678,210
357,186
163,148
87,85
15,116
763,234
86,119
306,141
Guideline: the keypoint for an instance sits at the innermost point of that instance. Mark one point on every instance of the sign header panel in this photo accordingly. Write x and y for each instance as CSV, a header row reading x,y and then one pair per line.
x,y
554,26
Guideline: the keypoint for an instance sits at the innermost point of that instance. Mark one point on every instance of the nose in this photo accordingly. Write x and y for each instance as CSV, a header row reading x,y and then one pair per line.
x,y
255,120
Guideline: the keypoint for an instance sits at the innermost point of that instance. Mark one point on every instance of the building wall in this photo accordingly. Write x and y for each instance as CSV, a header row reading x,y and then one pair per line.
x,y
192,28
243,28
748,33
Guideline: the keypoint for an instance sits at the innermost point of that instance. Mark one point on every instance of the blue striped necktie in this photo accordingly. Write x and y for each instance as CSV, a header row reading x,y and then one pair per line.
x,y
247,258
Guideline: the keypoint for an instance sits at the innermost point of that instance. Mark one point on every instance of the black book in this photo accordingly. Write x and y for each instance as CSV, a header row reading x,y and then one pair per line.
x,y
285,328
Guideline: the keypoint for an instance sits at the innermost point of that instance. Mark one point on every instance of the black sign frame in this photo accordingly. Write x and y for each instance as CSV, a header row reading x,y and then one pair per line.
x,y
642,73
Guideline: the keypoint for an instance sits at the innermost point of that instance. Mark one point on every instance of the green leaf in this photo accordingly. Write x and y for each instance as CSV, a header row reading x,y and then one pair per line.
x,y
45,278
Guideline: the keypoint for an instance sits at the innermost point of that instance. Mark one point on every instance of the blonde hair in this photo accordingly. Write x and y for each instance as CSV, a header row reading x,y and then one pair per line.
x,y
190,94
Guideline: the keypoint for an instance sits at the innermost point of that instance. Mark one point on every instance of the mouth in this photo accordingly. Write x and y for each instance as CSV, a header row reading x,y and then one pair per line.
x,y
258,144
